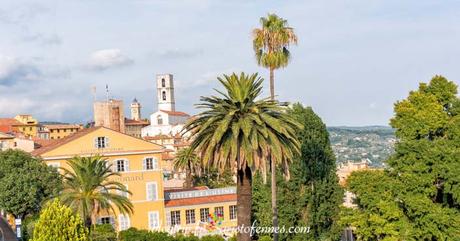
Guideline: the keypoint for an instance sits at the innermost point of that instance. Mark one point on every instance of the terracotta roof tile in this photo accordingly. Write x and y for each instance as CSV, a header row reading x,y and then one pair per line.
x,y
176,113
62,126
136,122
200,200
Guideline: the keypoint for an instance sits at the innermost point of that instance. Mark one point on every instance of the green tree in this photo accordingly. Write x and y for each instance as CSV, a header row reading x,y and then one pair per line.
x,y
188,160
271,45
133,234
89,188
57,222
213,179
236,130
103,232
312,196
418,196
25,182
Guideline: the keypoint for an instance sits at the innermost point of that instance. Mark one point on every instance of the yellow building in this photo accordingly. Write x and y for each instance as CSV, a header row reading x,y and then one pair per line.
x,y
140,164
58,131
138,161
28,125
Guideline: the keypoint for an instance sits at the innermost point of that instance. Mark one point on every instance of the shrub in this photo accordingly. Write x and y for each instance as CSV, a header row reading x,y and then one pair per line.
x,y
103,232
212,238
58,223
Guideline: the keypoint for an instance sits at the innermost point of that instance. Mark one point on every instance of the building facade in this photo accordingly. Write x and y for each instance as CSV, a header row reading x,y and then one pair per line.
x,y
58,131
110,114
137,161
166,120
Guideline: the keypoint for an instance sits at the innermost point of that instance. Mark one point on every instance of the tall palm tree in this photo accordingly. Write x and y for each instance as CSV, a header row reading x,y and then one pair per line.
x,y
186,159
89,188
236,130
271,45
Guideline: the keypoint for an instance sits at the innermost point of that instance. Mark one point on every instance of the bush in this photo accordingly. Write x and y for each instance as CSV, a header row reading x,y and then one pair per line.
x,y
103,232
58,223
133,234
212,238
265,238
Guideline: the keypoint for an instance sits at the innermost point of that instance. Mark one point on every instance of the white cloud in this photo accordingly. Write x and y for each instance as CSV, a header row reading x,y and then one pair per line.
x,y
13,70
108,58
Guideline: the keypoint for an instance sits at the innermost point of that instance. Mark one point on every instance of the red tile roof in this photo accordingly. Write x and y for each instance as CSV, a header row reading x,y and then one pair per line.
x,y
62,126
200,200
6,124
176,113
136,122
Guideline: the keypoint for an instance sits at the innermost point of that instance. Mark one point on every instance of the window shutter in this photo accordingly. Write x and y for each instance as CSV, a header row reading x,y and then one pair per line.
x,y
99,221
168,218
95,143
155,163
144,164
106,142
126,162
112,220
154,190
114,166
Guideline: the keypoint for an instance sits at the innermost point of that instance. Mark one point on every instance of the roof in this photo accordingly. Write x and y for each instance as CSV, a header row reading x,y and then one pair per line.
x,y
175,113
6,135
62,126
136,122
167,156
6,124
201,200
63,141
187,189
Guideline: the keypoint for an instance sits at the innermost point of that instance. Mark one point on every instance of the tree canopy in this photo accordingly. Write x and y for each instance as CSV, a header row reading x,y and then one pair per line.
x,y
418,196
58,223
25,182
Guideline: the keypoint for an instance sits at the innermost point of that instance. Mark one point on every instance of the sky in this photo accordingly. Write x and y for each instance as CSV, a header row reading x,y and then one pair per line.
x,y
353,61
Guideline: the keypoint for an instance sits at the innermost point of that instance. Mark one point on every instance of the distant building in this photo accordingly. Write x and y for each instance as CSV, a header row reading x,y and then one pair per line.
x,y
29,125
134,127
110,114
136,110
57,131
345,170
166,120
15,141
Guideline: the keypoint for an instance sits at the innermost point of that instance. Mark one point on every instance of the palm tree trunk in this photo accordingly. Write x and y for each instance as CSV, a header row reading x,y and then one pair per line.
x,y
244,203
188,176
274,198
273,167
272,83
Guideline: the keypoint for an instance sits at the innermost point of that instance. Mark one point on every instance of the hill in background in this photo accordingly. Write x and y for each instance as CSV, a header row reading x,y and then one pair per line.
x,y
373,144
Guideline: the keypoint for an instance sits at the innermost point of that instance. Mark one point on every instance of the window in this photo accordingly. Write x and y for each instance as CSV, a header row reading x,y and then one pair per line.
x,y
121,165
150,163
163,82
233,212
30,128
105,220
204,213
175,218
58,131
163,94
154,220
160,120
152,194
219,211
101,142
123,222
190,216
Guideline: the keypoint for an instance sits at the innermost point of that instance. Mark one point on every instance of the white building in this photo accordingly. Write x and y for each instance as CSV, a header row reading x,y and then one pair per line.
x,y
166,121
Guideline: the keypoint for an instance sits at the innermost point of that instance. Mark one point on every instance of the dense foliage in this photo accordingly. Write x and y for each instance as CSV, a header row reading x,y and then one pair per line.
x,y
103,232
418,196
25,182
134,234
58,223
312,196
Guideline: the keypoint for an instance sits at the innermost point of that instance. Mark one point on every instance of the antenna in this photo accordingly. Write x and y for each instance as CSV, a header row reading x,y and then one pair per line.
x,y
93,91
107,92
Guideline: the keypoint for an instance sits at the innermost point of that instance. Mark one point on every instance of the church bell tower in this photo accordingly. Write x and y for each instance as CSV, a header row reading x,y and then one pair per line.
x,y
165,92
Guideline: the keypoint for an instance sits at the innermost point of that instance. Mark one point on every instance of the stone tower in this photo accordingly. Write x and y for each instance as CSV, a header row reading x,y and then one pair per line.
x,y
165,92
135,110
110,114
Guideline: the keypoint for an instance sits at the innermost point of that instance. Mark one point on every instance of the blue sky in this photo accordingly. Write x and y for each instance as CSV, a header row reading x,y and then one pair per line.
x,y
354,58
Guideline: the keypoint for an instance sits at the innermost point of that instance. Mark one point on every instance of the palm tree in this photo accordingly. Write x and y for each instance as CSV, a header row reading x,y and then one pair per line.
x,y
235,131
186,159
271,43
89,188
